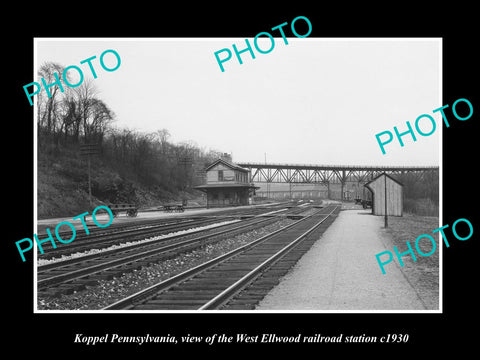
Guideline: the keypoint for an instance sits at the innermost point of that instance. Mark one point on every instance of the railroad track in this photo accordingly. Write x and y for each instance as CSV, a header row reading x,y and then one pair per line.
x,y
216,282
132,233
71,275
99,238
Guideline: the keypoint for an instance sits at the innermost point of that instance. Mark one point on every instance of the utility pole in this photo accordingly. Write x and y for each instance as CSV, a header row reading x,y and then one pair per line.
x,y
88,150
185,161
268,184
386,215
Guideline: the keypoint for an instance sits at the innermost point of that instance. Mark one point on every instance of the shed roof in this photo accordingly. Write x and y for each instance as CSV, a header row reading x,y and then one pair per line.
x,y
384,173
226,163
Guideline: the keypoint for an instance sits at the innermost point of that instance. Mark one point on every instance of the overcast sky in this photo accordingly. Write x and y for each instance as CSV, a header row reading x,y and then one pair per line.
x,y
313,101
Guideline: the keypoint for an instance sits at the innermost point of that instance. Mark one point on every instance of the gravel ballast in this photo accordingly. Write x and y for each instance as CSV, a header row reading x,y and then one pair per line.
x,y
109,291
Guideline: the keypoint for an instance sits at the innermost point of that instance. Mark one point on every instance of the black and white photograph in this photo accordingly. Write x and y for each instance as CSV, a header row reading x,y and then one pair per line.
x,y
271,183
252,188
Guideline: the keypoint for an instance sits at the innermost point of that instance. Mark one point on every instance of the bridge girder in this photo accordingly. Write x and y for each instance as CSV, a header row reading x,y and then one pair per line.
x,y
324,174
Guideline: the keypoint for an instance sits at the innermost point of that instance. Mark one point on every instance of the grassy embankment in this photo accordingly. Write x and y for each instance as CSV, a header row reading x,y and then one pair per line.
x,y
422,274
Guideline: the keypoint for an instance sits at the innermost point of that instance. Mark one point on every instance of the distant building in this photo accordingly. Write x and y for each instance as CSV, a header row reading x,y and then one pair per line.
x,y
227,185
394,194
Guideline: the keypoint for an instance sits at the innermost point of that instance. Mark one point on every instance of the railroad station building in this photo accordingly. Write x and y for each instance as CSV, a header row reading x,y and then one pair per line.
x,y
227,185
387,195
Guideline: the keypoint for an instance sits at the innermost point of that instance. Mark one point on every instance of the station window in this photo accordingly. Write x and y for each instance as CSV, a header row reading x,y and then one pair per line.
x,y
220,175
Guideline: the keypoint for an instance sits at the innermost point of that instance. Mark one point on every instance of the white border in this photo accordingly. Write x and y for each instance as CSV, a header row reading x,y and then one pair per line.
x,y
226,312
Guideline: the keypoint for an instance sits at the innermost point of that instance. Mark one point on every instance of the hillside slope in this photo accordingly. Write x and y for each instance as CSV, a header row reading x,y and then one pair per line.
x,y
62,187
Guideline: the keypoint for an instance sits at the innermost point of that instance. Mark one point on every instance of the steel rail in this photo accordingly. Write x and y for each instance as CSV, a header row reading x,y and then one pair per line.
x,y
111,237
143,227
129,302
60,263
75,274
225,295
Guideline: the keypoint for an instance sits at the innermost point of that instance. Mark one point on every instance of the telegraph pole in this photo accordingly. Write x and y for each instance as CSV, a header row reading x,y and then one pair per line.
x,y
186,161
268,184
386,216
88,150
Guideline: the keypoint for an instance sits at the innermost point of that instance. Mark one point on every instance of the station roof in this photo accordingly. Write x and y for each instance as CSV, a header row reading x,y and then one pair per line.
x,y
227,164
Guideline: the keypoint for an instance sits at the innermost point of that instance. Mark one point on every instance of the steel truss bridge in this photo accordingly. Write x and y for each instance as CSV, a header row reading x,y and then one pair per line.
x,y
328,174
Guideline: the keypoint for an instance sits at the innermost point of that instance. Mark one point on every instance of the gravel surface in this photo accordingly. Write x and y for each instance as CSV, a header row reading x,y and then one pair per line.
x,y
110,291
194,230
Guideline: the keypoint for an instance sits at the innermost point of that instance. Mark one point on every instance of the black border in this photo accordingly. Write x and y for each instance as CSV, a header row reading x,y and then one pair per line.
x,y
54,333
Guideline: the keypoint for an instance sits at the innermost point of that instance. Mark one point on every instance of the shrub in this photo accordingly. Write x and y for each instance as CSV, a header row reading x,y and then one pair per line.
x,y
424,207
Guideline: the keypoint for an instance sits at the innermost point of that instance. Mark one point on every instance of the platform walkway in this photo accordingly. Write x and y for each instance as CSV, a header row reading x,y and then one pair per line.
x,y
340,272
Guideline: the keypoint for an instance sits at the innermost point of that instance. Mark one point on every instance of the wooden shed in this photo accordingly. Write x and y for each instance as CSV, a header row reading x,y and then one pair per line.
x,y
385,185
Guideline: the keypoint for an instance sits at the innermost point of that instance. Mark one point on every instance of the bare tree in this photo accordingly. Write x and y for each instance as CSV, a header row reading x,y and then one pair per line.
x,y
47,106
100,118
85,100
70,116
